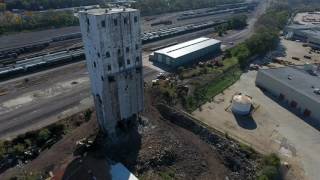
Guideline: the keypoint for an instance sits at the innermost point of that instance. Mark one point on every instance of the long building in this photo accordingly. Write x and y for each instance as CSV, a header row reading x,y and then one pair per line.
x,y
306,33
297,87
113,54
187,52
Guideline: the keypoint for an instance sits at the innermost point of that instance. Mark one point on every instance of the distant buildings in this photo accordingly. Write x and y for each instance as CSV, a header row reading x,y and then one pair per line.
x,y
298,87
113,53
187,52
305,33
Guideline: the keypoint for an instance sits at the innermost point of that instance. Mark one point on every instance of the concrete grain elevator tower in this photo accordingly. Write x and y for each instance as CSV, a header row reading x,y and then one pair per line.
x,y
112,44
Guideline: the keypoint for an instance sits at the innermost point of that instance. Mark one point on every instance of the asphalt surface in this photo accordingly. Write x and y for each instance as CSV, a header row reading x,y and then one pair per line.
x,y
34,106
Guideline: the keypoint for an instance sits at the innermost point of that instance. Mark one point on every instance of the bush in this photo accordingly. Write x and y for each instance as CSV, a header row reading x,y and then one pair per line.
x,y
87,115
263,177
268,173
57,129
18,149
271,160
168,174
246,148
270,170
43,136
2,149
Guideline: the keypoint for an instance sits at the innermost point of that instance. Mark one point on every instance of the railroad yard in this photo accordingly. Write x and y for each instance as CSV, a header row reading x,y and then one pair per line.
x,y
29,47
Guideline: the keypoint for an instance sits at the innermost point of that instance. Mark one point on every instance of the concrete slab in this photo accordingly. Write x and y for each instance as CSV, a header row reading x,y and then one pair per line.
x,y
276,129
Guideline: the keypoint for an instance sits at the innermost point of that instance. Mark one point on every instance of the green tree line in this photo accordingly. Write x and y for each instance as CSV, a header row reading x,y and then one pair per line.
x,y
150,7
265,39
146,6
237,22
48,4
11,22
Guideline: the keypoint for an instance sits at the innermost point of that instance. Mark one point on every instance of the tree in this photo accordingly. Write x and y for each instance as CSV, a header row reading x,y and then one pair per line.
x,y
272,160
269,173
87,115
18,149
43,136
2,149
242,53
2,7
238,22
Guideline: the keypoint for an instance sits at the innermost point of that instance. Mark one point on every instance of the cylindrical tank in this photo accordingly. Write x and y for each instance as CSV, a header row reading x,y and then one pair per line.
x,y
241,104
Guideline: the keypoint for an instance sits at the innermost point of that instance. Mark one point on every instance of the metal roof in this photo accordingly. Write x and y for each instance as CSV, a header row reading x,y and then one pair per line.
x,y
297,79
303,27
188,47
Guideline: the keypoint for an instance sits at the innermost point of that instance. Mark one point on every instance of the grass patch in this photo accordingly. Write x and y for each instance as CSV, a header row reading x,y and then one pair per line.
x,y
248,150
270,167
205,93
220,84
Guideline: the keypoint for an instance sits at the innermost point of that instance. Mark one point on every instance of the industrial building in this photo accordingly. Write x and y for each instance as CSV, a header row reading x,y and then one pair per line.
x,y
112,44
187,52
306,33
296,87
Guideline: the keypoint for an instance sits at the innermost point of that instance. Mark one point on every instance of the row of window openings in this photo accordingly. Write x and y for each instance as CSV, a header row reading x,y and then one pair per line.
x,y
119,51
120,63
115,21
112,79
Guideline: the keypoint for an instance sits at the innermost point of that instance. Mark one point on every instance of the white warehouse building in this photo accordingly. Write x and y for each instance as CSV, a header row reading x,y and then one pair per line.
x,y
187,52
297,87
113,54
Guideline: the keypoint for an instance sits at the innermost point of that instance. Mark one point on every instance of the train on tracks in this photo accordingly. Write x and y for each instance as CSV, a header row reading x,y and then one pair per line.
x,y
11,53
37,63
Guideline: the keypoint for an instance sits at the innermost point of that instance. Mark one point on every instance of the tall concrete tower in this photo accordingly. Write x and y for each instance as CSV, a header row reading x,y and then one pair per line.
x,y
113,54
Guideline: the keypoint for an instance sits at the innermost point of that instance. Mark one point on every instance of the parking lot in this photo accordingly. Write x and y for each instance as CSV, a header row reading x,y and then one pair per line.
x,y
289,49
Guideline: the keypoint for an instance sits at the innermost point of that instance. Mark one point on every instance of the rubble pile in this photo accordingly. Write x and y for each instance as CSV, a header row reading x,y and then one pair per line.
x,y
243,164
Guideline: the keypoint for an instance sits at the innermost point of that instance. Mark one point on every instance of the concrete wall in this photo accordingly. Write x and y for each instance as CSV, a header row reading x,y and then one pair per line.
x,y
277,87
113,54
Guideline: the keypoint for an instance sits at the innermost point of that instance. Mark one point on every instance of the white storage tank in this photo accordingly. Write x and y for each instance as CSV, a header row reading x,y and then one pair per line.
x,y
241,104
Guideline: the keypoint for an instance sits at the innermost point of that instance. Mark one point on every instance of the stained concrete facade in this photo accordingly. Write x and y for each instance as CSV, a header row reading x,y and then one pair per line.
x,y
113,54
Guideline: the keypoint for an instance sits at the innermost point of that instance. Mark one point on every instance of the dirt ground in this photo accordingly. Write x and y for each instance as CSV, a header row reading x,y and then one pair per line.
x,y
60,154
158,149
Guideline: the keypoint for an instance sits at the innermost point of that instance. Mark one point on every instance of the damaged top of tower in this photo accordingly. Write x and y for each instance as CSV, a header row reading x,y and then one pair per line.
x,y
98,12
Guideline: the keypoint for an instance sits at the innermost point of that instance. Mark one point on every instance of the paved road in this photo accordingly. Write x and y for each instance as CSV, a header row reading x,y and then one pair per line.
x,y
241,35
39,105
